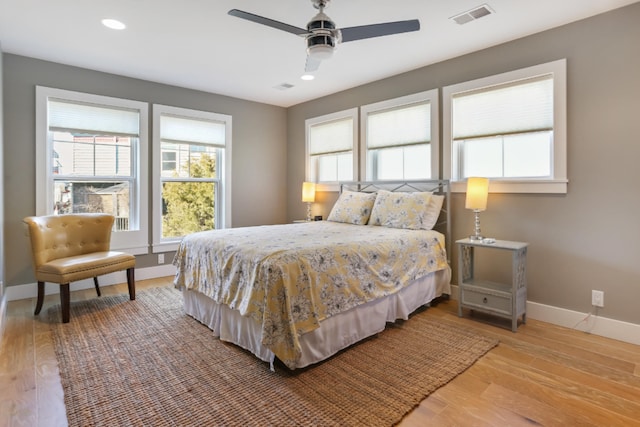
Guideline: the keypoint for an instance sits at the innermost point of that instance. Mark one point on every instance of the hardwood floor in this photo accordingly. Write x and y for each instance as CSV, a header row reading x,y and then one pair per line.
x,y
541,375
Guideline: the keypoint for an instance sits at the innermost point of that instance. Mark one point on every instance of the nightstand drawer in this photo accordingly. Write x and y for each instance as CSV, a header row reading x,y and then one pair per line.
x,y
486,301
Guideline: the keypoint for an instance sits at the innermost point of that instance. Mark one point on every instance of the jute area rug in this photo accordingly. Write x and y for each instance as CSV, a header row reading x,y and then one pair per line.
x,y
146,363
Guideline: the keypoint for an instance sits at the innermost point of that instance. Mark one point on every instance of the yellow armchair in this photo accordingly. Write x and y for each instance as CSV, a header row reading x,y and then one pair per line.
x,y
72,247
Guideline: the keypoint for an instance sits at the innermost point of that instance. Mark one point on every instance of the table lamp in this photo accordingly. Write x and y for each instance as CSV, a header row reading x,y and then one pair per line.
x,y
477,192
308,196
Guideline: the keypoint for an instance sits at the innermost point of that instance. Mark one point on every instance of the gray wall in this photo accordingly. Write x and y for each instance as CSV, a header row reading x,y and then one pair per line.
x,y
3,296
590,237
259,147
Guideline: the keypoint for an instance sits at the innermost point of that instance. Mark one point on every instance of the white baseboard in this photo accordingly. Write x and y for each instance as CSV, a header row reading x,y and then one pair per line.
x,y
30,290
3,317
593,324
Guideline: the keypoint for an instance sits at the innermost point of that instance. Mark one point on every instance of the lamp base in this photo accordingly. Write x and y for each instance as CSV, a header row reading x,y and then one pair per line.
x,y
476,237
309,211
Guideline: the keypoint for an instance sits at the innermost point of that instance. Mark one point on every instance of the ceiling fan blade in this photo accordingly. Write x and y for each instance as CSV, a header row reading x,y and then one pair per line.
x,y
312,64
268,22
377,30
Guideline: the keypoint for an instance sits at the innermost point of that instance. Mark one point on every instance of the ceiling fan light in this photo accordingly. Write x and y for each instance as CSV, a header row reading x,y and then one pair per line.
x,y
320,51
320,46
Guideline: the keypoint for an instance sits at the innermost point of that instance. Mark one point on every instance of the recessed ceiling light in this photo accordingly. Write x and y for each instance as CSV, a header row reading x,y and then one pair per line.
x,y
307,77
114,24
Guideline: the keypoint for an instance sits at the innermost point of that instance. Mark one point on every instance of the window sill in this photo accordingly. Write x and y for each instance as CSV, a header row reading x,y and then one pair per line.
x,y
556,186
328,187
165,247
141,250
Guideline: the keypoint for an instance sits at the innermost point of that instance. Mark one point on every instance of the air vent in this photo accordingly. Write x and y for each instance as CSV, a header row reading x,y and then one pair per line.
x,y
284,86
473,14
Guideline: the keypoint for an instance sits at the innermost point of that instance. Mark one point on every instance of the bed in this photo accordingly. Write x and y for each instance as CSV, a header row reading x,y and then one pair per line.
x,y
302,292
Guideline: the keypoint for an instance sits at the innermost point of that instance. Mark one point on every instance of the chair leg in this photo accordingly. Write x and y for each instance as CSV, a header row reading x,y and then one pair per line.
x,y
95,283
131,283
65,302
40,298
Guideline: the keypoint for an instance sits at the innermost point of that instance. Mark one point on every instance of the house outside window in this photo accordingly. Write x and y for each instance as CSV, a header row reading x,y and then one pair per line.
x,y
510,128
397,138
92,147
191,173
330,148
169,161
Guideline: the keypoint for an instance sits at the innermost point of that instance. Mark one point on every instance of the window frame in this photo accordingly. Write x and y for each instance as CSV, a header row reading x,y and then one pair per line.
x,y
430,96
351,113
223,190
135,241
558,183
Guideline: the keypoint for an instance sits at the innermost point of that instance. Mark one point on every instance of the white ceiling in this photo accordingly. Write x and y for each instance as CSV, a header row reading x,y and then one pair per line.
x,y
196,44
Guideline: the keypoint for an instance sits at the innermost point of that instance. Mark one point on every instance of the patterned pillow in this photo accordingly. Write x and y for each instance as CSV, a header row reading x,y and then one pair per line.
x,y
404,210
352,207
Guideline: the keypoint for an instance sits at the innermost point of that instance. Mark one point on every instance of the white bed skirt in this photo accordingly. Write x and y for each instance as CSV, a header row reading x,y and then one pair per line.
x,y
334,333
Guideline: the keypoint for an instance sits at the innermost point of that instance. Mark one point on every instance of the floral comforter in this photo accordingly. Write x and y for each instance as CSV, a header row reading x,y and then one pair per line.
x,y
290,277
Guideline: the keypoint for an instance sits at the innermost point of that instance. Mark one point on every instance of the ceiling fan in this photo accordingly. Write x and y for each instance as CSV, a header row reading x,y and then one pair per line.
x,y
322,35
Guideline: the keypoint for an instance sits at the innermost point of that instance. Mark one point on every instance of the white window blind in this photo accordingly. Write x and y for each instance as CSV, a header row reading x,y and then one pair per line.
x,y
78,117
404,125
331,137
180,129
517,107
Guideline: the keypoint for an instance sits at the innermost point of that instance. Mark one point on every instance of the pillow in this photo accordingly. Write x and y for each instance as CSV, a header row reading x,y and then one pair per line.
x,y
433,211
352,207
415,211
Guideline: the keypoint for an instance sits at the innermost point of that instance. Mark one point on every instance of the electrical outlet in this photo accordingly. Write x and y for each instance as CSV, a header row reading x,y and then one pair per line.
x,y
597,298
160,258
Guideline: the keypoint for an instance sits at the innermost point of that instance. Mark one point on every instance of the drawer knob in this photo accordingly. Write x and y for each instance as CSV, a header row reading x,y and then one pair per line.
x,y
484,300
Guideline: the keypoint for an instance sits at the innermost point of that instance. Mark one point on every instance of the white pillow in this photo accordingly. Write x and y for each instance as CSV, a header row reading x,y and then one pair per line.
x,y
433,211
415,211
352,207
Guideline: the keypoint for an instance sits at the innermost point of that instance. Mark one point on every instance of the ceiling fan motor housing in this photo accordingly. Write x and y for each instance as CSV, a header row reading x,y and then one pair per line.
x,y
322,38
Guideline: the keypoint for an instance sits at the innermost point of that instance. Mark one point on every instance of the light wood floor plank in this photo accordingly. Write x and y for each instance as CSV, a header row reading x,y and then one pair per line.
x,y
575,384
17,368
453,416
467,391
595,381
596,343
532,410
549,390
51,409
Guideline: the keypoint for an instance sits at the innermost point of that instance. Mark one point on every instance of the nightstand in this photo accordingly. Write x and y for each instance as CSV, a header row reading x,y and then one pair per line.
x,y
500,299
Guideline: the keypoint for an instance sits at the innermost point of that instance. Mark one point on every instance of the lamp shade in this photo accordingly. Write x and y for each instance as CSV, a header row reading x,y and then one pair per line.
x,y
308,192
477,192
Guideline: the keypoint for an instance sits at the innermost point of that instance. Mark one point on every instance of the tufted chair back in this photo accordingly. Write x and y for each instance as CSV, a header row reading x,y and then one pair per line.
x,y
61,236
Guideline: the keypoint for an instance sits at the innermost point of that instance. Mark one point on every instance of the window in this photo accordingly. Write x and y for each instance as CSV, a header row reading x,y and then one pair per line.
x,y
510,128
191,173
90,153
397,138
331,142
